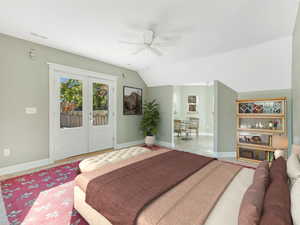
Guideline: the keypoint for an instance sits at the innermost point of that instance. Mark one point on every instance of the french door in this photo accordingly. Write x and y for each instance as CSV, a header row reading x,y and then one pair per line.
x,y
84,112
101,113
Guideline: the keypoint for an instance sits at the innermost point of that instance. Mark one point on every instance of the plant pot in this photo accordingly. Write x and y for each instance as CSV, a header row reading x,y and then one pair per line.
x,y
149,140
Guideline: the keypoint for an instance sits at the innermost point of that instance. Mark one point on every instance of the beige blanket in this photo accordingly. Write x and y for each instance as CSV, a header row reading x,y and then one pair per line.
x,y
189,203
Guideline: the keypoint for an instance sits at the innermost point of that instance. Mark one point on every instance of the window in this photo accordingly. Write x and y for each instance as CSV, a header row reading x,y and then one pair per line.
x,y
70,103
100,104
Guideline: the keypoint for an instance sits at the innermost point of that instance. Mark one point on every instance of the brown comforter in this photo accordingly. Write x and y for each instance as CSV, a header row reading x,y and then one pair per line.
x,y
188,203
123,193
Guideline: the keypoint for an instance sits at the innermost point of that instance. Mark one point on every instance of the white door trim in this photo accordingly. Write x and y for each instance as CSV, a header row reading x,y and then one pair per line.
x,y
53,68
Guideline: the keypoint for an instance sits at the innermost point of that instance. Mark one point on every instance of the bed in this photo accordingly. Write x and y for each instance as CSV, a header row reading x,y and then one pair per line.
x,y
202,197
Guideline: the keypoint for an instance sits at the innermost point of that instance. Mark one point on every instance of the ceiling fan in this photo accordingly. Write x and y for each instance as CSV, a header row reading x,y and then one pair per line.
x,y
149,43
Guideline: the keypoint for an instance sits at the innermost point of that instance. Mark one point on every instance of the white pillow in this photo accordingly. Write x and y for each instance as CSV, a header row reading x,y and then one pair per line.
x,y
295,202
293,168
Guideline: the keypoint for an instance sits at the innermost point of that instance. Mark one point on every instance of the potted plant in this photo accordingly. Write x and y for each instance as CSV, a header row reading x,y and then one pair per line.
x,y
150,121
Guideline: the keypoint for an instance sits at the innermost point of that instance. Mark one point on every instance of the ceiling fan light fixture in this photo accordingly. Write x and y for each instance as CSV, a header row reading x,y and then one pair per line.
x,y
150,43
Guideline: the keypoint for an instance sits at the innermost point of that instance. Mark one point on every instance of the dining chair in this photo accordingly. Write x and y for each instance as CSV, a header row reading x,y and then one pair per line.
x,y
194,125
177,127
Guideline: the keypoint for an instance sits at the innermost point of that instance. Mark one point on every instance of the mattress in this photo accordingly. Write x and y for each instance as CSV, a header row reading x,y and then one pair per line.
x,y
225,211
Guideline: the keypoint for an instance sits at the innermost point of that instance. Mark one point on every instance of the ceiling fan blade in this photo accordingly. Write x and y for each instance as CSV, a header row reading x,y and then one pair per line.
x,y
155,51
131,43
172,38
138,51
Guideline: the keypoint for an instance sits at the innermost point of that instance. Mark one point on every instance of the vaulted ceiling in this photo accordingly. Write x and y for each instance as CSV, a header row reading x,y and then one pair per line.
x,y
203,40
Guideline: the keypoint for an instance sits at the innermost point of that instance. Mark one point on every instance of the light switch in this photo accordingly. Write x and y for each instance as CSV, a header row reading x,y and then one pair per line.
x,y
6,152
31,110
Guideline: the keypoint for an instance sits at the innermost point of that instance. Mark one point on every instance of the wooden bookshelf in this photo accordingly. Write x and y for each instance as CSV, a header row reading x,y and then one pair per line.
x,y
258,120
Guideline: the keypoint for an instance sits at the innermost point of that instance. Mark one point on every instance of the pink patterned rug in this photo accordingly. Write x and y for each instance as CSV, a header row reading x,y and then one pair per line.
x,y
42,198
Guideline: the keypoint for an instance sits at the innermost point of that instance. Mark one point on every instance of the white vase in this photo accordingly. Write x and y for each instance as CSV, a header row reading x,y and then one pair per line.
x,y
149,140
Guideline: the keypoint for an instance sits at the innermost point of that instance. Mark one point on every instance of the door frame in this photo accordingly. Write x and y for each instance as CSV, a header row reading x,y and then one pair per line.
x,y
53,68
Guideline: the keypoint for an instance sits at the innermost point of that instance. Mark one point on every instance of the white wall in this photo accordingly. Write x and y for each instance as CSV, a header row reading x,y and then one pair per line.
x,y
296,82
225,120
177,109
265,66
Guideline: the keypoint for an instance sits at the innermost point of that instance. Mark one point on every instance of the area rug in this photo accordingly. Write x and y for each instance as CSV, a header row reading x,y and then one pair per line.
x,y
42,198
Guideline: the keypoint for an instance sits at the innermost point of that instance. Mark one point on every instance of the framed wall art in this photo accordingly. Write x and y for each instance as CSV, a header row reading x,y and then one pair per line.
x,y
132,100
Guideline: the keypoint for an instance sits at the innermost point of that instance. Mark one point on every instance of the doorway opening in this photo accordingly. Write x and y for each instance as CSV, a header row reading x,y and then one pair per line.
x,y
193,118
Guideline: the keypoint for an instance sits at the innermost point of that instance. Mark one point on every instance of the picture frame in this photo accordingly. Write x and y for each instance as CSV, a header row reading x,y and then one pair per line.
x,y
192,105
132,101
192,99
192,108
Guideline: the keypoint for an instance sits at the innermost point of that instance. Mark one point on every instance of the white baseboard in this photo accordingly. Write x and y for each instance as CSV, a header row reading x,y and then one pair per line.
x,y
204,153
24,166
211,154
226,154
129,144
165,144
200,134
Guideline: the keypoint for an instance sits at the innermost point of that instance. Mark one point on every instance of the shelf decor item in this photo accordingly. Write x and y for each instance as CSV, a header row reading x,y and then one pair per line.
x,y
266,107
258,121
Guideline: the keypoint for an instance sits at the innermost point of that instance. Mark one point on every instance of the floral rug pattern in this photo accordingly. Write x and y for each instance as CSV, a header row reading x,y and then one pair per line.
x,y
42,198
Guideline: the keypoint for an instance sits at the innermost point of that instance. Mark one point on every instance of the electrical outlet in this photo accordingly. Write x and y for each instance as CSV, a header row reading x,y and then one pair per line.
x,y
6,152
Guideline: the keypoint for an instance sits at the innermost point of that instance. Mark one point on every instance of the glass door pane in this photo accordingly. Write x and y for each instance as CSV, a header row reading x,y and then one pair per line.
x,y
100,104
70,102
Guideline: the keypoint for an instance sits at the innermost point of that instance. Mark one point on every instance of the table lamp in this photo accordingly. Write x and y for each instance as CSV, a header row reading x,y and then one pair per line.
x,y
296,149
280,144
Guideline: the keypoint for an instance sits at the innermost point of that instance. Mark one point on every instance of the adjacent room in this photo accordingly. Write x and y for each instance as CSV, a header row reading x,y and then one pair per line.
x,y
162,112
193,112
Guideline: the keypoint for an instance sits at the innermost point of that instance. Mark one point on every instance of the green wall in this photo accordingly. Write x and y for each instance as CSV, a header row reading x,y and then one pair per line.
x,y
24,83
224,119
296,81
164,96
275,94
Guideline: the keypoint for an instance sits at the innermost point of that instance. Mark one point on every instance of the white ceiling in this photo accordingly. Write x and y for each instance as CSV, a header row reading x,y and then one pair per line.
x,y
265,66
196,29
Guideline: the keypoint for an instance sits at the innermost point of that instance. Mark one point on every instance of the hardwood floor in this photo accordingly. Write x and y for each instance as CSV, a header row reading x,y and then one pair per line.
x,y
57,163
83,156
